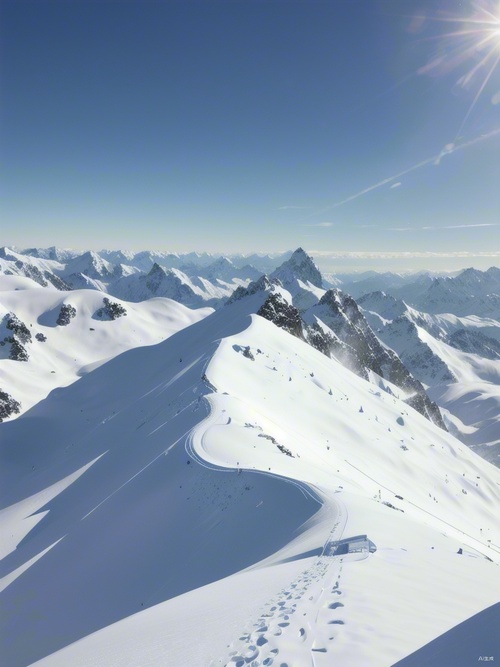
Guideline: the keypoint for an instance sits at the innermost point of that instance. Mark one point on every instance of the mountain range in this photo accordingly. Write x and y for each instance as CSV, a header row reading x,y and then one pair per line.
x,y
266,480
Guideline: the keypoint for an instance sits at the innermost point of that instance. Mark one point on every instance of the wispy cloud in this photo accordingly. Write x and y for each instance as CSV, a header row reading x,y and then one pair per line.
x,y
290,208
361,254
435,227
395,185
320,224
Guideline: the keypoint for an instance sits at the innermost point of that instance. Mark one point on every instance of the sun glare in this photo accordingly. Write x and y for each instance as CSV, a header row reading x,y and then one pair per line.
x,y
474,47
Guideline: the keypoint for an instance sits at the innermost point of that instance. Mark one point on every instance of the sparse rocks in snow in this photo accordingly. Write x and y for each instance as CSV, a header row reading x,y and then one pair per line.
x,y
285,450
247,353
393,507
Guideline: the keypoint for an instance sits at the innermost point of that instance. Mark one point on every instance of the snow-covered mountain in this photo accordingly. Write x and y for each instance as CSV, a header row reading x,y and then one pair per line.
x,y
49,338
223,270
42,271
429,344
335,326
233,496
372,281
193,279
457,358
471,292
302,278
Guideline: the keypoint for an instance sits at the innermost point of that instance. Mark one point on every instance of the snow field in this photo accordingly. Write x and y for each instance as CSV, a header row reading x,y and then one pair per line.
x,y
73,350
197,539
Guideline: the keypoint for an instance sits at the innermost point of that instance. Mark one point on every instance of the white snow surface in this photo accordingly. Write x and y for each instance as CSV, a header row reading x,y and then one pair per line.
x,y
183,534
73,350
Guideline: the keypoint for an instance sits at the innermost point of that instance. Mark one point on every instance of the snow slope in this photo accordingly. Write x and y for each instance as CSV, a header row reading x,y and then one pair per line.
x,y
231,496
73,350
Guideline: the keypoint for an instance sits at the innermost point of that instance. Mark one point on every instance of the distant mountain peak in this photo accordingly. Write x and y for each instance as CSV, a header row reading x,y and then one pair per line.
x,y
300,266
157,270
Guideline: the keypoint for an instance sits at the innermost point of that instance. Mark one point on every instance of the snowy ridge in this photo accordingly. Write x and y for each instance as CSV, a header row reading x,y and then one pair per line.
x,y
157,541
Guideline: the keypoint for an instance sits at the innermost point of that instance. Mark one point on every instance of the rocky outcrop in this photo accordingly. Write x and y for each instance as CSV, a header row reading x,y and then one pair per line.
x,y
262,284
277,310
8,405
111,310
66,314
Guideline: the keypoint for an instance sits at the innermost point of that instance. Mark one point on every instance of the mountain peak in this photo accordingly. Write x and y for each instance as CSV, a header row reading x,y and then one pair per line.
x,y
157,270
300,266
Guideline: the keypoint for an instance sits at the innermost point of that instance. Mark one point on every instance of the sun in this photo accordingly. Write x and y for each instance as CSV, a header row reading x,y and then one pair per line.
x,y
473,48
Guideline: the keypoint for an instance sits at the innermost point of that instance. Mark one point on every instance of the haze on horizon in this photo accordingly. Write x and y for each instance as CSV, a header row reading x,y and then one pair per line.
x,y
361,130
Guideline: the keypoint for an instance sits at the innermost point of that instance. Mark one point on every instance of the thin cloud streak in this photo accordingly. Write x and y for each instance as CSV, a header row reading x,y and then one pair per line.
x,y
449,149
435,228
361,254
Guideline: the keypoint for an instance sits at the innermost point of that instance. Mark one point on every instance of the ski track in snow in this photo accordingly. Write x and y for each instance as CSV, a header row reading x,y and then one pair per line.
x,y
286,635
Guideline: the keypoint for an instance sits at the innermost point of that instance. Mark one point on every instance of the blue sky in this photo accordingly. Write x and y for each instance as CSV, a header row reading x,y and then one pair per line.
x,y
349,127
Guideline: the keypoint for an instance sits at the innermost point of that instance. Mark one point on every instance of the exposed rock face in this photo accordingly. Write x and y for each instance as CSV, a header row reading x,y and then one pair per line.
x,y
475,342
58,282
43,278
354,344
336,327
166,283
155,278
280,312
341,314
262,284
402,336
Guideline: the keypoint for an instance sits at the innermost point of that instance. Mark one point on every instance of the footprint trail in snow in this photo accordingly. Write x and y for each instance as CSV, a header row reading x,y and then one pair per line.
x,y
300,625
